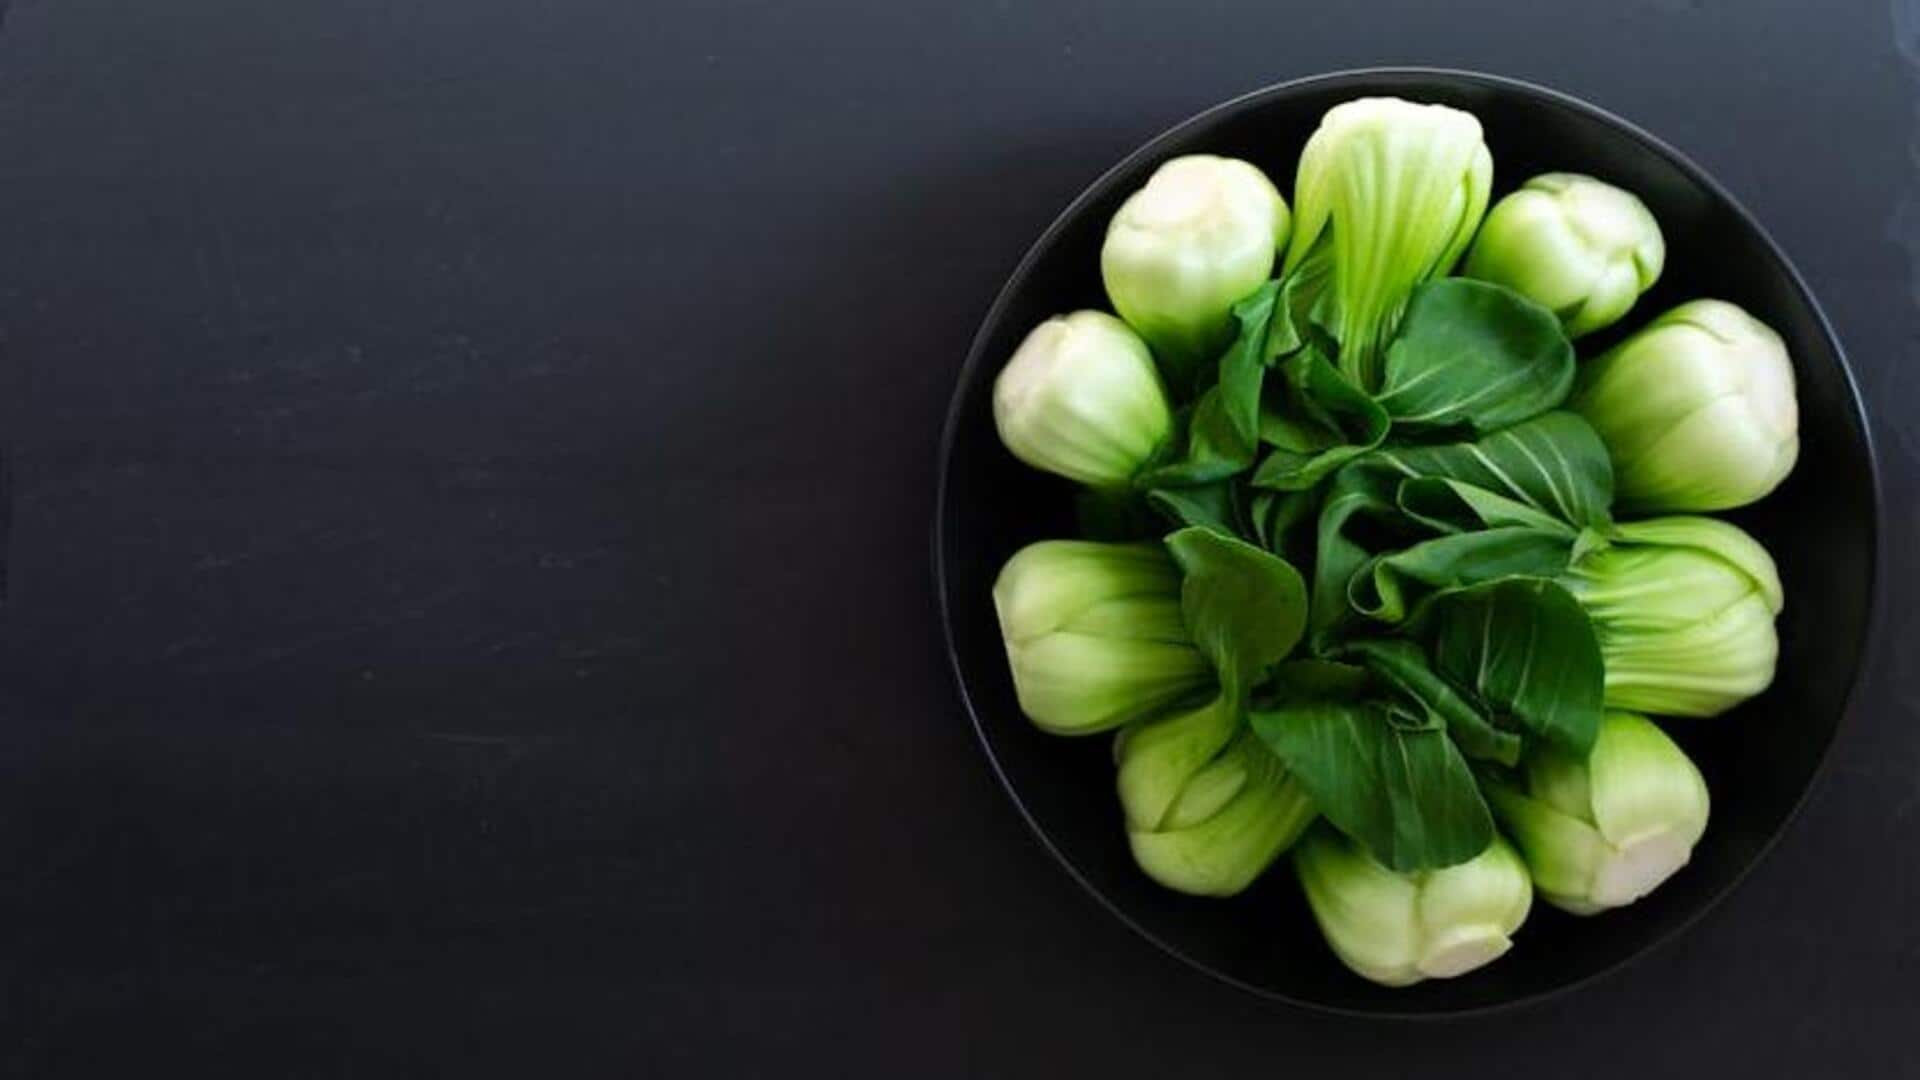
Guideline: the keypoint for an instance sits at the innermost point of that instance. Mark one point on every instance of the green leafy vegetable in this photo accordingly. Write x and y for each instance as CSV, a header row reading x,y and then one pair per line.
x,y
1394,782
1094,634
1583,248
1474,355
1205,813
1525,647
1244,608
1314,680
1685,609
1159,758
1223,431
1405,520
1283,522
1357,492
1215,506
1331,423
1697,408
1388,194
1404,665
1390,586
1200,235
1429,451
1553,464
1230,823
1400,928
1604,830
1454,506
1080,398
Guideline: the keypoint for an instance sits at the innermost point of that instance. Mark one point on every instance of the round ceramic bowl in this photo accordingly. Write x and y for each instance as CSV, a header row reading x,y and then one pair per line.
x,y
1759,760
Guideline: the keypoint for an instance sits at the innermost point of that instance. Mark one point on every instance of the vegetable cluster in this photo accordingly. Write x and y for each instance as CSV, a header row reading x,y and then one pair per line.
x,y
1350,548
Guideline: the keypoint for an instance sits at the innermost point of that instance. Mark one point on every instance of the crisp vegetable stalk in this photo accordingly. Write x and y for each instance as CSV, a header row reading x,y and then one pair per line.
x,y
1199,236
1094,634
1081,399
1578,246
1398,929
1684,608
1227,822
1697,410
1604,832
1388,195
1159,758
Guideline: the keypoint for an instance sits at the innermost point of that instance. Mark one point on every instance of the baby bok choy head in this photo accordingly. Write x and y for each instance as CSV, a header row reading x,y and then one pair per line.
x,y
1604,832
1208,806
1094,634
1202,234
1580,247
1697,410
1400,928
1684,610
1388,195
1081,399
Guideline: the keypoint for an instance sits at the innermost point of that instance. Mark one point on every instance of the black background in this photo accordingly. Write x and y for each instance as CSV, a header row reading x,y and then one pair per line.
x,y
472,461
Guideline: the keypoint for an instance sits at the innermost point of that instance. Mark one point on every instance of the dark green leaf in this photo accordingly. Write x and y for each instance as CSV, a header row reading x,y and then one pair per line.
x,y
1283,336
1212,506
1288,470
1283,522
1210,450
1243,369
1400,788
1327,398
1245,608
1439,817
1391,584
1548,480
1452,506
1356,492
1323,423
1477,355
1525,647
1222,431
1553,464
1299,681
1311,294
1404,666
1294,434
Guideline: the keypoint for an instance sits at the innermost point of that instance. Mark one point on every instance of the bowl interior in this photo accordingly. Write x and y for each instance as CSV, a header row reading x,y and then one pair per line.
x,y
1759,761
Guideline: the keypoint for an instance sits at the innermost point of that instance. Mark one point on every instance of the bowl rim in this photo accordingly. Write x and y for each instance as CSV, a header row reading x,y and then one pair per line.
x,y
1157,146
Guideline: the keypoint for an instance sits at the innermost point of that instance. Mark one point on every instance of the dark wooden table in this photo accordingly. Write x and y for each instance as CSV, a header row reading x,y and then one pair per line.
x,y
468,607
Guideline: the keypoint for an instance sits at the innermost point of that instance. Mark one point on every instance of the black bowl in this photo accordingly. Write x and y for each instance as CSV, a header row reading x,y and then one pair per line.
x,y
1759,761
